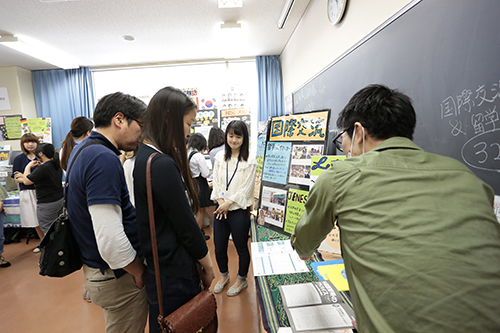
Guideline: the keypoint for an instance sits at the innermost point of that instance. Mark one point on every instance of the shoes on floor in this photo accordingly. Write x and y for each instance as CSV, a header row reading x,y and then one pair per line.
x,y
4,263
86,296
235,291
36,250
220,285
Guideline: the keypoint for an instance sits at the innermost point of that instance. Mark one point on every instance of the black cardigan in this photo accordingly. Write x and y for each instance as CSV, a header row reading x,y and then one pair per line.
x,y
180,241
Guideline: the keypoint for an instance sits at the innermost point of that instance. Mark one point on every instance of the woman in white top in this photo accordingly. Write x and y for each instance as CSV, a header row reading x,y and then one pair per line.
x,y
197,144
234,173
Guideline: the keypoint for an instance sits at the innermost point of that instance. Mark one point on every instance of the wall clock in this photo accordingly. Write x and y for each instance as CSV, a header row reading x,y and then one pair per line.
x,y
336,10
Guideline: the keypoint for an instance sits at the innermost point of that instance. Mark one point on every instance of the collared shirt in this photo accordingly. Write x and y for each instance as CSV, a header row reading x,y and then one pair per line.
x,y
198,165
97,178
419,238
242,184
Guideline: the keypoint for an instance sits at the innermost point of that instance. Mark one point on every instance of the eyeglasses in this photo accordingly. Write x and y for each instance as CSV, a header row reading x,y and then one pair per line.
x,y
141,123
337,141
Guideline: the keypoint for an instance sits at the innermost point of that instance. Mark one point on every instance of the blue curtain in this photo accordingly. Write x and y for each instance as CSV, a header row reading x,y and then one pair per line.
x,y
271,101
63,94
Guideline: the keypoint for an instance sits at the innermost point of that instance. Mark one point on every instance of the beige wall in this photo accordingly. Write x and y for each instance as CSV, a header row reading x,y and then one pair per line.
x,y
316,42
22,99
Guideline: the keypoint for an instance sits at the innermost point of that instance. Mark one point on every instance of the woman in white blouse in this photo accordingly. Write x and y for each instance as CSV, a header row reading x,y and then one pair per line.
x,y
233,172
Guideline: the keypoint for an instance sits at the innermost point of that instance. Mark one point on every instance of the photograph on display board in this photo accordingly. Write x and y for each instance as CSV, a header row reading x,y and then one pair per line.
x,y
300,168
272,207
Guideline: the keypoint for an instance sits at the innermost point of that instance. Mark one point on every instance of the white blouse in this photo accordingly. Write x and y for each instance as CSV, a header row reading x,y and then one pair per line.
x,y
242,184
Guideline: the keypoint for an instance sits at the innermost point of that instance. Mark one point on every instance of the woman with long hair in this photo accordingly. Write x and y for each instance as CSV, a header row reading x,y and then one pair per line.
x,y
181,245
27,196
80,129
47,178
197,144
215,142
233,184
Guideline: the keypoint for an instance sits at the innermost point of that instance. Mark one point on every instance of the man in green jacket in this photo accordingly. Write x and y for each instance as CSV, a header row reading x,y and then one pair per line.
x,y
419,237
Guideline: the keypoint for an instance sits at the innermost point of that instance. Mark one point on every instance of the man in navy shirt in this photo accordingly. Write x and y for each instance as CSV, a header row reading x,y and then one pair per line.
x,y
102,217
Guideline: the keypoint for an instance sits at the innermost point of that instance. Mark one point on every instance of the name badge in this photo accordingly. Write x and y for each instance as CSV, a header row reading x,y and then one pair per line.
x,y
226,194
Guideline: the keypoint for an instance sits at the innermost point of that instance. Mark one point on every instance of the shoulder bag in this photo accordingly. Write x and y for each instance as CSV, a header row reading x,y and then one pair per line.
x,y
60,254
197,315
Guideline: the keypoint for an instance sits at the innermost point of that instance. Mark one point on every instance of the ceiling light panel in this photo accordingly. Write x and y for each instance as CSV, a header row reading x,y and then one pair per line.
x,y
230,3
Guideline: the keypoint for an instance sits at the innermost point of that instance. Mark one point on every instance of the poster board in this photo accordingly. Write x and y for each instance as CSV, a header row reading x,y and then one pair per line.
x,y
292,141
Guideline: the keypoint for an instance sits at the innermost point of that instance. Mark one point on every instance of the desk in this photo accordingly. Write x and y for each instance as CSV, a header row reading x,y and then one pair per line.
x,y
11,206
271,305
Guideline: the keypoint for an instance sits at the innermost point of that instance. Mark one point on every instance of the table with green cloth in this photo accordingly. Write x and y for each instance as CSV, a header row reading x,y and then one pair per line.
x,y
271,305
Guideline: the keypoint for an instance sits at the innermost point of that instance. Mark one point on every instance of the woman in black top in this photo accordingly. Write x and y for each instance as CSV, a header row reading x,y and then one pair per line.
x,y
181,244
47,178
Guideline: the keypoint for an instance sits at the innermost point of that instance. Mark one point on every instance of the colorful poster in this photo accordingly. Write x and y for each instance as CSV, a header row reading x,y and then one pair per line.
x,y
41,127
207,117
12,127
320,164
272,207
227,116
300,127
295,206
261,149
300,169
276,162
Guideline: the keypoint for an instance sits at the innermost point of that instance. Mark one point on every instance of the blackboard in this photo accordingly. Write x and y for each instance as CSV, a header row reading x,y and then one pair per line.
x,y
445,55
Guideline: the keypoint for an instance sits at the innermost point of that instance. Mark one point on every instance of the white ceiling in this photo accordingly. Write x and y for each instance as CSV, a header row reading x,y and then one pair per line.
x,y
166,31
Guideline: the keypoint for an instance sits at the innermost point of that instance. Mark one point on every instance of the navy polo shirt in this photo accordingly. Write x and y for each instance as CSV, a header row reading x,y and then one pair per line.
x,y
95,178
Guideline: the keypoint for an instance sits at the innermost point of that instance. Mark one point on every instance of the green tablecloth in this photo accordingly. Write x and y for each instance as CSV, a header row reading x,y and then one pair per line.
x,y
271,305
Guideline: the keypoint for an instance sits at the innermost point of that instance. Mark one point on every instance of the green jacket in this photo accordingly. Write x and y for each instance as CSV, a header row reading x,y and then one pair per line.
x,y
419,238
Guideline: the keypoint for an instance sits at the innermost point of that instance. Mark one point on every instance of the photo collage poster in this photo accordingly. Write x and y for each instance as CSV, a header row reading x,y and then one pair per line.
x,y
292,142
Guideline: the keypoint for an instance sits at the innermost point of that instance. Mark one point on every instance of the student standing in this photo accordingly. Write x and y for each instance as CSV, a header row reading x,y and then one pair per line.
x,y
102,217
27,196
181,244
215,143
197,144
80,129
47,178
233,185
3,195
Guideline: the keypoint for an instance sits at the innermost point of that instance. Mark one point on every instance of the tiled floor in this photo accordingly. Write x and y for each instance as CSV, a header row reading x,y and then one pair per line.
x,y
33,303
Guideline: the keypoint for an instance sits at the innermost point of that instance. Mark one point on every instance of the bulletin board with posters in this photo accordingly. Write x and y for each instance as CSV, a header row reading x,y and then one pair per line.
x,y
292,142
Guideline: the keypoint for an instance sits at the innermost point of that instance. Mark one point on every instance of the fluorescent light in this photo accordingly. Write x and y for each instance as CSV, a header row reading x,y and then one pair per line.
x,y
231,39
38,50
285,13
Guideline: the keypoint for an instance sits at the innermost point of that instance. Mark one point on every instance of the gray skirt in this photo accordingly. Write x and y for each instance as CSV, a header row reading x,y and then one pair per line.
x,y
47,213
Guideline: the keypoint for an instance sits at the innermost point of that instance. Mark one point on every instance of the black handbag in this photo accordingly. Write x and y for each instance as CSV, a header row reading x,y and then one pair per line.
x,y
60,254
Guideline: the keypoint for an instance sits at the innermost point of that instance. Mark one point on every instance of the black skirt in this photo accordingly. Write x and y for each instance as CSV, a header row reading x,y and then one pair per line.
x,y
204,192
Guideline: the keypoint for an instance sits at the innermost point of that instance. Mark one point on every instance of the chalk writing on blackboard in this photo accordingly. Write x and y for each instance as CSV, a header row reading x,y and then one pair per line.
x,y
482,151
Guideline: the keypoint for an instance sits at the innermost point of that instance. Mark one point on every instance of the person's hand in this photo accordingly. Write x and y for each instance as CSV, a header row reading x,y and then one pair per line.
x,y
306,258
207,276
34,163
140,280
222,210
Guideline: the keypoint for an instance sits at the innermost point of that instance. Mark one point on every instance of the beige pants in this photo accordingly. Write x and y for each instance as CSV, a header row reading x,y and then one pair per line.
x,y
125,306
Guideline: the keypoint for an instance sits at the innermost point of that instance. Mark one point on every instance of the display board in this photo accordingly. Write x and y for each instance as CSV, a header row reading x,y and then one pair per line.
x,y
292,142
444,54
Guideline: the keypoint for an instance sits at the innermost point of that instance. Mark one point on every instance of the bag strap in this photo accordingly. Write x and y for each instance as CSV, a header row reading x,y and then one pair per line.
x,y
154,243
192,154
93,142
152,230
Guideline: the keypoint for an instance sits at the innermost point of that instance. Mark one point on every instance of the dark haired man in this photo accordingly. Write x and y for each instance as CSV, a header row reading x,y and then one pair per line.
x,y
102,217
419,238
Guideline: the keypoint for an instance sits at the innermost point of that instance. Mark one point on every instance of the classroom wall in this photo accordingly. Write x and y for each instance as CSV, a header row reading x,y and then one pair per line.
x,y
21,96
316,42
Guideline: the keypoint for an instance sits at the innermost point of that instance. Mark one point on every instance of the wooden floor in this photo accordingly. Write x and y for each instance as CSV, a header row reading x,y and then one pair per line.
x,y
33,303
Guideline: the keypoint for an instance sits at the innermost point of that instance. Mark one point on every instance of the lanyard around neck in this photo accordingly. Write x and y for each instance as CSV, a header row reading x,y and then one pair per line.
x,y
227,174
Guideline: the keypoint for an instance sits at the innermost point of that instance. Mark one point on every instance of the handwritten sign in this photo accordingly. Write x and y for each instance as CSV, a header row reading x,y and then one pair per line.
x,y
233,112
276,162
295,206
482,150
321,163
13,127
300,127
